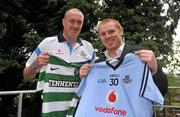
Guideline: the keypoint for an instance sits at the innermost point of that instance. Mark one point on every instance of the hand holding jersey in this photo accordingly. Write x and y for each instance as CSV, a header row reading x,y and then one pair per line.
x,y
42,60
148,57
84,70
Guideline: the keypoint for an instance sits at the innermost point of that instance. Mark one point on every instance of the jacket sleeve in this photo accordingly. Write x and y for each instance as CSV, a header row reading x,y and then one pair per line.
x,y
161,80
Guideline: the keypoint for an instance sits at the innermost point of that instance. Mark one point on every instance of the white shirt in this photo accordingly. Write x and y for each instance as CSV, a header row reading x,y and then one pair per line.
x,y
114,60
57,46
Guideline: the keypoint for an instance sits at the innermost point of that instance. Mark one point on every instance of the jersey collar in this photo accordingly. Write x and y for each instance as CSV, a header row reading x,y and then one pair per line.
x,y
62,39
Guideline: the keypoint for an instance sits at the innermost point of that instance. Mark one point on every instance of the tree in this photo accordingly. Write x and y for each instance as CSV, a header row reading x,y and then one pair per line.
x,y
173,62
144,23
13,26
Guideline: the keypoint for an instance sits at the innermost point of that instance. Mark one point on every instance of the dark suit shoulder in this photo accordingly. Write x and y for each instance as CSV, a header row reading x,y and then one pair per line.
x,y
102,58
130,48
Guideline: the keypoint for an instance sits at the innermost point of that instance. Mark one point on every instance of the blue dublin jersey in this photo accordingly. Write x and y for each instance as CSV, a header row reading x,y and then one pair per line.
x,y
124,90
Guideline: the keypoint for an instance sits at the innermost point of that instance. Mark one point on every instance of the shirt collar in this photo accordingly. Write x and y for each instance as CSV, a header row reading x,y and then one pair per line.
x,y
118,51
62,39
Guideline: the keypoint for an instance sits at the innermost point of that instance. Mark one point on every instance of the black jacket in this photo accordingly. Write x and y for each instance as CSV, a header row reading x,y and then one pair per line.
x,y
159,78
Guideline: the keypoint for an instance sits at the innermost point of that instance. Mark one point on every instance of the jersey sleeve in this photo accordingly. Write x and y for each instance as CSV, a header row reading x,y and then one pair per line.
x,y
40,48
149,89
81,88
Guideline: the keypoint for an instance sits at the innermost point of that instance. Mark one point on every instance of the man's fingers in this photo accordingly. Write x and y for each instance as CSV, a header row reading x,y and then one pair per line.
x,y
84,70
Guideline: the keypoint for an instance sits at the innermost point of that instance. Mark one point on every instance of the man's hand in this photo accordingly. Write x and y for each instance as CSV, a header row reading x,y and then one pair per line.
x,y
30,71
42,60
84,70
148,57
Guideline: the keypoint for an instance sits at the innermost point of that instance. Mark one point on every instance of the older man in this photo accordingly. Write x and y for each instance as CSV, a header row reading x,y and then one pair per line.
x,y
52,58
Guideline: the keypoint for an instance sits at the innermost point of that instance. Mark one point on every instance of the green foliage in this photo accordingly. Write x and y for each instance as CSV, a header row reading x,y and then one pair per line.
x,y
173,62
142,21
32,39
172,97
173,80
5,64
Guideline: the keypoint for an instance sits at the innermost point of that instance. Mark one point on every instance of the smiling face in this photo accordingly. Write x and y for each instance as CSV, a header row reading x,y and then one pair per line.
x,y
110,34
72,22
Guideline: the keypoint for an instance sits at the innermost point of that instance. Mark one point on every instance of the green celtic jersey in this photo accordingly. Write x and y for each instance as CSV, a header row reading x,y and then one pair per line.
x,y
58,82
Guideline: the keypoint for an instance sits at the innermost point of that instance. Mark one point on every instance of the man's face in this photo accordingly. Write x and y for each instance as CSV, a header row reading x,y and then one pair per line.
x,y
110,35
72,23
